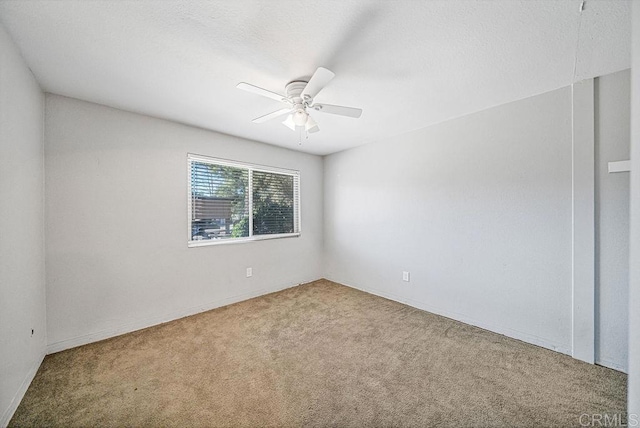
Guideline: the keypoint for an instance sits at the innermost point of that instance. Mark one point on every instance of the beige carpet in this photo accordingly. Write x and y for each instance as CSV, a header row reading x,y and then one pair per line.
x,y
316,355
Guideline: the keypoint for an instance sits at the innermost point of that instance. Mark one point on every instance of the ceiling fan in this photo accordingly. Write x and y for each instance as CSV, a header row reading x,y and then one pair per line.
x,y
299,98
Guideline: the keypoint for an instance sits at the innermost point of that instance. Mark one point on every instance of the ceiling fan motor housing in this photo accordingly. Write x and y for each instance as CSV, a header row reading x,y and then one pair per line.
x,y
294,91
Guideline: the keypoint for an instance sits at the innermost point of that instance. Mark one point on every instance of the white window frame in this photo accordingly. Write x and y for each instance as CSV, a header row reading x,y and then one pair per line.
x,y
297,220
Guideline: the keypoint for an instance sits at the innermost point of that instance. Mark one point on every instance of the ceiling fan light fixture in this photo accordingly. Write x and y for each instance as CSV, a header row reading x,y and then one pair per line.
x,y
289,123
300,117
310,124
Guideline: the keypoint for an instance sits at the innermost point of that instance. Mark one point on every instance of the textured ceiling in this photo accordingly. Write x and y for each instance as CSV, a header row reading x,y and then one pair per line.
x,y
408,64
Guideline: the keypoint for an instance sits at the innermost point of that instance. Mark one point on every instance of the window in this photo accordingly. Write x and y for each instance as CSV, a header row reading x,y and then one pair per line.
x,y
231,201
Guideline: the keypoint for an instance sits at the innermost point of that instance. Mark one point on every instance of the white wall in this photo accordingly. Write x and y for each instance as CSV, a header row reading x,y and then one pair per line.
x,y
22,290
116,224
634,258
612,114
478,209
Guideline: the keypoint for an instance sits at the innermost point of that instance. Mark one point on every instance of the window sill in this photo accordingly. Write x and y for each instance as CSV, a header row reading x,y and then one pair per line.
x,y
208,242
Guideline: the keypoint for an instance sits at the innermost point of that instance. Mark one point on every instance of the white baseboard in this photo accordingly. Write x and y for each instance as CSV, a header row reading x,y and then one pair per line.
x,y
150,322
514,334
17,398
611,365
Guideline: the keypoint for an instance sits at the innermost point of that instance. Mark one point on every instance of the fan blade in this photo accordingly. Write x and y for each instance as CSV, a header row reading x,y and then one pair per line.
x,y
339,110
270,116
311,126
319,80
289,123
259,91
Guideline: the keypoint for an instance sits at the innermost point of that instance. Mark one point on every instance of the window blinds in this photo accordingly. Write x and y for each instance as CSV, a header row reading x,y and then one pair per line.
x,y
233,201
274,207
219,201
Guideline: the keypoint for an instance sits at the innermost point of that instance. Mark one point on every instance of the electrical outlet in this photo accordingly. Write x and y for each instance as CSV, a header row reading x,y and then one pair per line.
x,y
405,276
249,272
